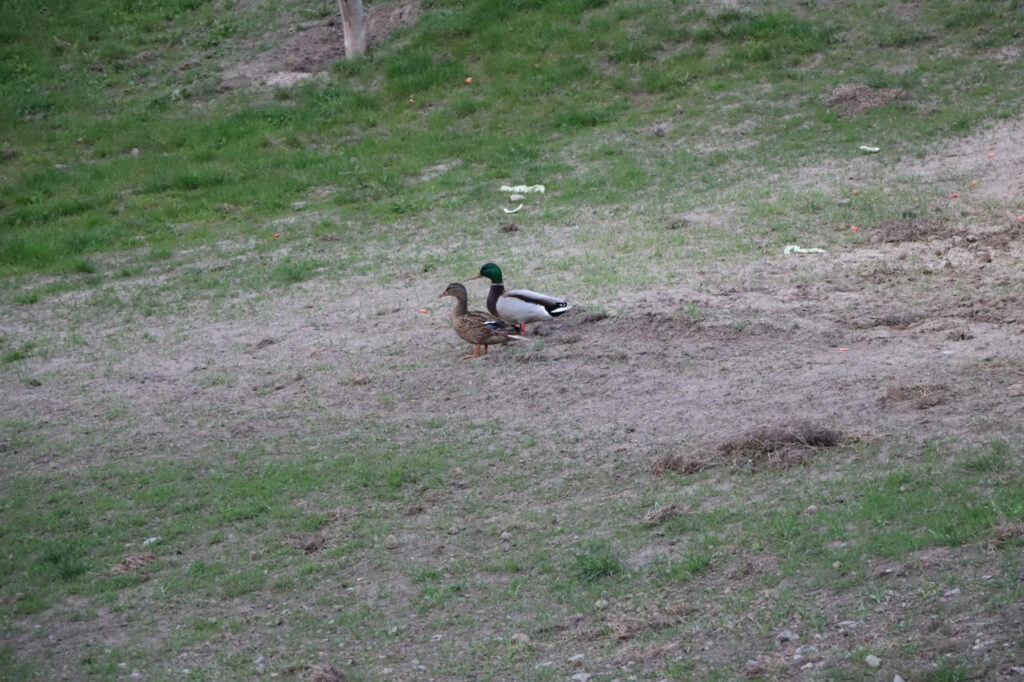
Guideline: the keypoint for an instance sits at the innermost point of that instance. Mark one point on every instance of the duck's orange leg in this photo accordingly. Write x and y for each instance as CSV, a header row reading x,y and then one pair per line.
x,y
476,352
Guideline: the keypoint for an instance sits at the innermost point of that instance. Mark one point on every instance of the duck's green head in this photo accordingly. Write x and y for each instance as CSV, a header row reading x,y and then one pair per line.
x,y
491,272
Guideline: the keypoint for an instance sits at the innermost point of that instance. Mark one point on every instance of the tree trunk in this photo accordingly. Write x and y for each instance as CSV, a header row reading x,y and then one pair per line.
x,y
353,24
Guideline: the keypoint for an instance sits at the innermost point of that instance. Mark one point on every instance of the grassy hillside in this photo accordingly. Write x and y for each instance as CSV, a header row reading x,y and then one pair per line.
x,y
236,439
118,138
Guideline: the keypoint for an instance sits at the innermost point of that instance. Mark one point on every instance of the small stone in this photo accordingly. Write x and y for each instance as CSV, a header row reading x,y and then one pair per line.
x,y
580,677
804,651
836,564
872,661
60,166
811,510
576,658
391,542
897,678
520,639
506,536
1015,391
135,151
601,604
951,593
516,197
786,636
297,205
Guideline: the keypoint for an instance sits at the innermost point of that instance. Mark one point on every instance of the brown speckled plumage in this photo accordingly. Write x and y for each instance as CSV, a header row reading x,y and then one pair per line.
x,y
476,327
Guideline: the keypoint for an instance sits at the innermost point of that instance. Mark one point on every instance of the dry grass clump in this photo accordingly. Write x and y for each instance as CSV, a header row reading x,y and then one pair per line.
x,y
853,99
780,445
899,320
132,563
624,627
681,464
662,514
1006,532
326,673
923,396
310,543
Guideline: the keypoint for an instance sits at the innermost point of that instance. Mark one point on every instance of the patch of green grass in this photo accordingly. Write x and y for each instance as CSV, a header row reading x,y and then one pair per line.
x,y
683,569
534,107
993,459
293,272
52,522
67,559
17,669
596,559
947,671
890,516
22,352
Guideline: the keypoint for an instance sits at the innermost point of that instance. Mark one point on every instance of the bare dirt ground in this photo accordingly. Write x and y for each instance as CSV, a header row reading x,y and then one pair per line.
x,y
929,301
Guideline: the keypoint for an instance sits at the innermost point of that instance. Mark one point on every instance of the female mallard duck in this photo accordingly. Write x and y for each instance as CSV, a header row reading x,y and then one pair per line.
x,y
475,326
519,305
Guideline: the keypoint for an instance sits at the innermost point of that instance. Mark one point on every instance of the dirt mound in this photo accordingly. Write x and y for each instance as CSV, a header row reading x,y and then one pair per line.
x,y
912,230
852,99
780,445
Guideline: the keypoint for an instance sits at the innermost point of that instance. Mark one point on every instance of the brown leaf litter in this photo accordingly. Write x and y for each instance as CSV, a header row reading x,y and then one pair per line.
x,y
132,563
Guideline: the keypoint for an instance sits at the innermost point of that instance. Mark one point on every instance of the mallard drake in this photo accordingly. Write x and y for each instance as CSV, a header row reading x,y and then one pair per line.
x,y
520,306
475,326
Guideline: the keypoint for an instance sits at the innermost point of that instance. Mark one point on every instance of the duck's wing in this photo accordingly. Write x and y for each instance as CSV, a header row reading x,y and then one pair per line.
x,y
553,305
489,324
